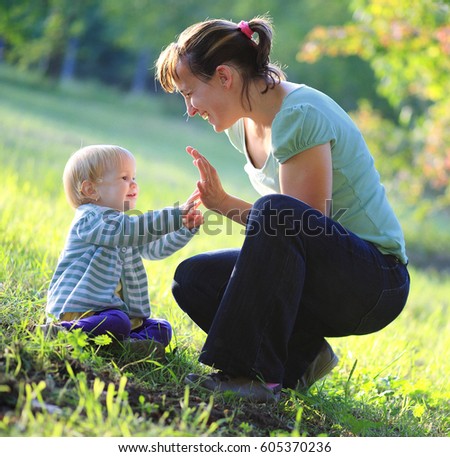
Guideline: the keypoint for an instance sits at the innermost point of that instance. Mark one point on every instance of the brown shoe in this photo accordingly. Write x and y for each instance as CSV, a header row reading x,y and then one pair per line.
x,y
324,362
242,387
134,349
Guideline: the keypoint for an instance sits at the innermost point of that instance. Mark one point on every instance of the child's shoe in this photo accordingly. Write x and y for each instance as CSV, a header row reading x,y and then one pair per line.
x,y
134,349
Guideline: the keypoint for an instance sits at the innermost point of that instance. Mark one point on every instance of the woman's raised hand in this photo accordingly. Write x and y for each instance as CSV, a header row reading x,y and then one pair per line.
x,y
210,190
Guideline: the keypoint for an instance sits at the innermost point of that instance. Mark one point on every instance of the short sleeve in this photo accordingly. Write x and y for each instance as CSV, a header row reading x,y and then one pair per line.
x,y
298,128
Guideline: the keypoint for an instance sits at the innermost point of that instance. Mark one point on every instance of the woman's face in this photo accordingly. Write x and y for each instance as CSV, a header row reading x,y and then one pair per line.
x,y
216,101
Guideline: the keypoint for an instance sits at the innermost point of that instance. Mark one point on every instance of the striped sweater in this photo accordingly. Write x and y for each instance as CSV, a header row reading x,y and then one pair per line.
x,y
105,246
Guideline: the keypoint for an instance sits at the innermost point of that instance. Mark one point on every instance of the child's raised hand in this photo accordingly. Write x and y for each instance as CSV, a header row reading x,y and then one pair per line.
x,y
192,217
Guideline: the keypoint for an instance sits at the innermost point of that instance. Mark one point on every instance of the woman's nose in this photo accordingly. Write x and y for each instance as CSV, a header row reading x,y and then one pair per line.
x,y
191,110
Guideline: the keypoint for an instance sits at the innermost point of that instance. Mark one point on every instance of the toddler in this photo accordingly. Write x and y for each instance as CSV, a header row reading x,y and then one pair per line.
x,y
100,284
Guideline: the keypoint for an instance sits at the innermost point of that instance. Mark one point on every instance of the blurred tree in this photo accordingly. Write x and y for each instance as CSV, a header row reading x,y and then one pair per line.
x,y
20,25
346,79
407,43
77,18
143,27
44,33
117,42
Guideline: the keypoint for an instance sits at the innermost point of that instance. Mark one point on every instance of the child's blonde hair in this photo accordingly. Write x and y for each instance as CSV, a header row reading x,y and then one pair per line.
x,y
89,164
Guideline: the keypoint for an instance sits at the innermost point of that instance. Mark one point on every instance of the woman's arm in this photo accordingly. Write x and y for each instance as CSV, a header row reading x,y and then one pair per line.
x,y
308,176
235,209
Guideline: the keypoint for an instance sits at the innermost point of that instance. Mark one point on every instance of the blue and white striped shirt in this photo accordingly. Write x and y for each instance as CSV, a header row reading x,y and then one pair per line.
x,y
105,246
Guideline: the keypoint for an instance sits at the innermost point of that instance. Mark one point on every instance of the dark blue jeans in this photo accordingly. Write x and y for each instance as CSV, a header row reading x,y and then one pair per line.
x,y
299,277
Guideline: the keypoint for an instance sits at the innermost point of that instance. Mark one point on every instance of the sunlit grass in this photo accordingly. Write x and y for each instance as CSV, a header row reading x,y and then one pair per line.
x,y
392,383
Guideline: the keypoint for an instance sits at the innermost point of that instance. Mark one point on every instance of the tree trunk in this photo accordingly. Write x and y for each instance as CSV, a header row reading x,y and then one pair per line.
x,y
69,62
142,71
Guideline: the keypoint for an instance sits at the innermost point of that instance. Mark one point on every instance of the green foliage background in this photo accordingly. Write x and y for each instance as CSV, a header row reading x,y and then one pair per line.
x,y
392,56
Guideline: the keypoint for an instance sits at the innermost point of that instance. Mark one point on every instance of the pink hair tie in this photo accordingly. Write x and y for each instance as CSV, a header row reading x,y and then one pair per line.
x,y
245,29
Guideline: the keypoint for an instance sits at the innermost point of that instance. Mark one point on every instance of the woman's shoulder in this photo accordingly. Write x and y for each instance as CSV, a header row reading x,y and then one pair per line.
x,y
299,95
302,108
307,109
302,122
309,101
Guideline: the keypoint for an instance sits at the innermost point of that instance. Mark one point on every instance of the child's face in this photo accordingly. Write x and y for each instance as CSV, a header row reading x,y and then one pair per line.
x,y
118,188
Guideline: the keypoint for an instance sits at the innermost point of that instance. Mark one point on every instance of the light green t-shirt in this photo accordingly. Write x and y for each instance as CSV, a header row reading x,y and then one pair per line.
x,y
309,118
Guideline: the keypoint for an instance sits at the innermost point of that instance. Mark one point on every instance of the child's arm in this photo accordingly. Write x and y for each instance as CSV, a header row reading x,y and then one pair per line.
x,y
167,245
172,242
109,227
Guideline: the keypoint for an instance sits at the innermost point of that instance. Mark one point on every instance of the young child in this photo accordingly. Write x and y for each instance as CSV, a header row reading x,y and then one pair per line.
x,y
100,284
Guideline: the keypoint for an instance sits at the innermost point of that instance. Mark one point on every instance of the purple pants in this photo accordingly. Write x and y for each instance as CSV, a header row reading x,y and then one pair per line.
x,y
117,323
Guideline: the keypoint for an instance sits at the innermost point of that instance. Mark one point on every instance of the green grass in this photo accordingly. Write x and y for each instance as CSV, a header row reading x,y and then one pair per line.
x,y
393,383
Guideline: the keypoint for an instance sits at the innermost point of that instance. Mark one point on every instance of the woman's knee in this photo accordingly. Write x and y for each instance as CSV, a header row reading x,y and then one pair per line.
x,y
279,202
182,279
200,273
183,271
199,282
276,212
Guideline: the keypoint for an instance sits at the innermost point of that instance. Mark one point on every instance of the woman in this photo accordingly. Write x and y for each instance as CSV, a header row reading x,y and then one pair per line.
x,y
324,254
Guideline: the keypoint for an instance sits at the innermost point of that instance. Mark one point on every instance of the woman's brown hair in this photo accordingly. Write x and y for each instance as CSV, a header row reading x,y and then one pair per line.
x,y
206,45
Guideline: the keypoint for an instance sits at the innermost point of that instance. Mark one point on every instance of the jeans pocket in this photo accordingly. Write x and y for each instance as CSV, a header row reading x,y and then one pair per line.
x,y
388,307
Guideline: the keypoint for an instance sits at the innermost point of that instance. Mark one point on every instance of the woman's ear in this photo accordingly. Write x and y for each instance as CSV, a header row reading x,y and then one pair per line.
x,y
89,190
225,74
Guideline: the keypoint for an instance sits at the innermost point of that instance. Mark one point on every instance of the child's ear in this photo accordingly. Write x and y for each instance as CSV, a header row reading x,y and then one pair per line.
x,y
89,190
